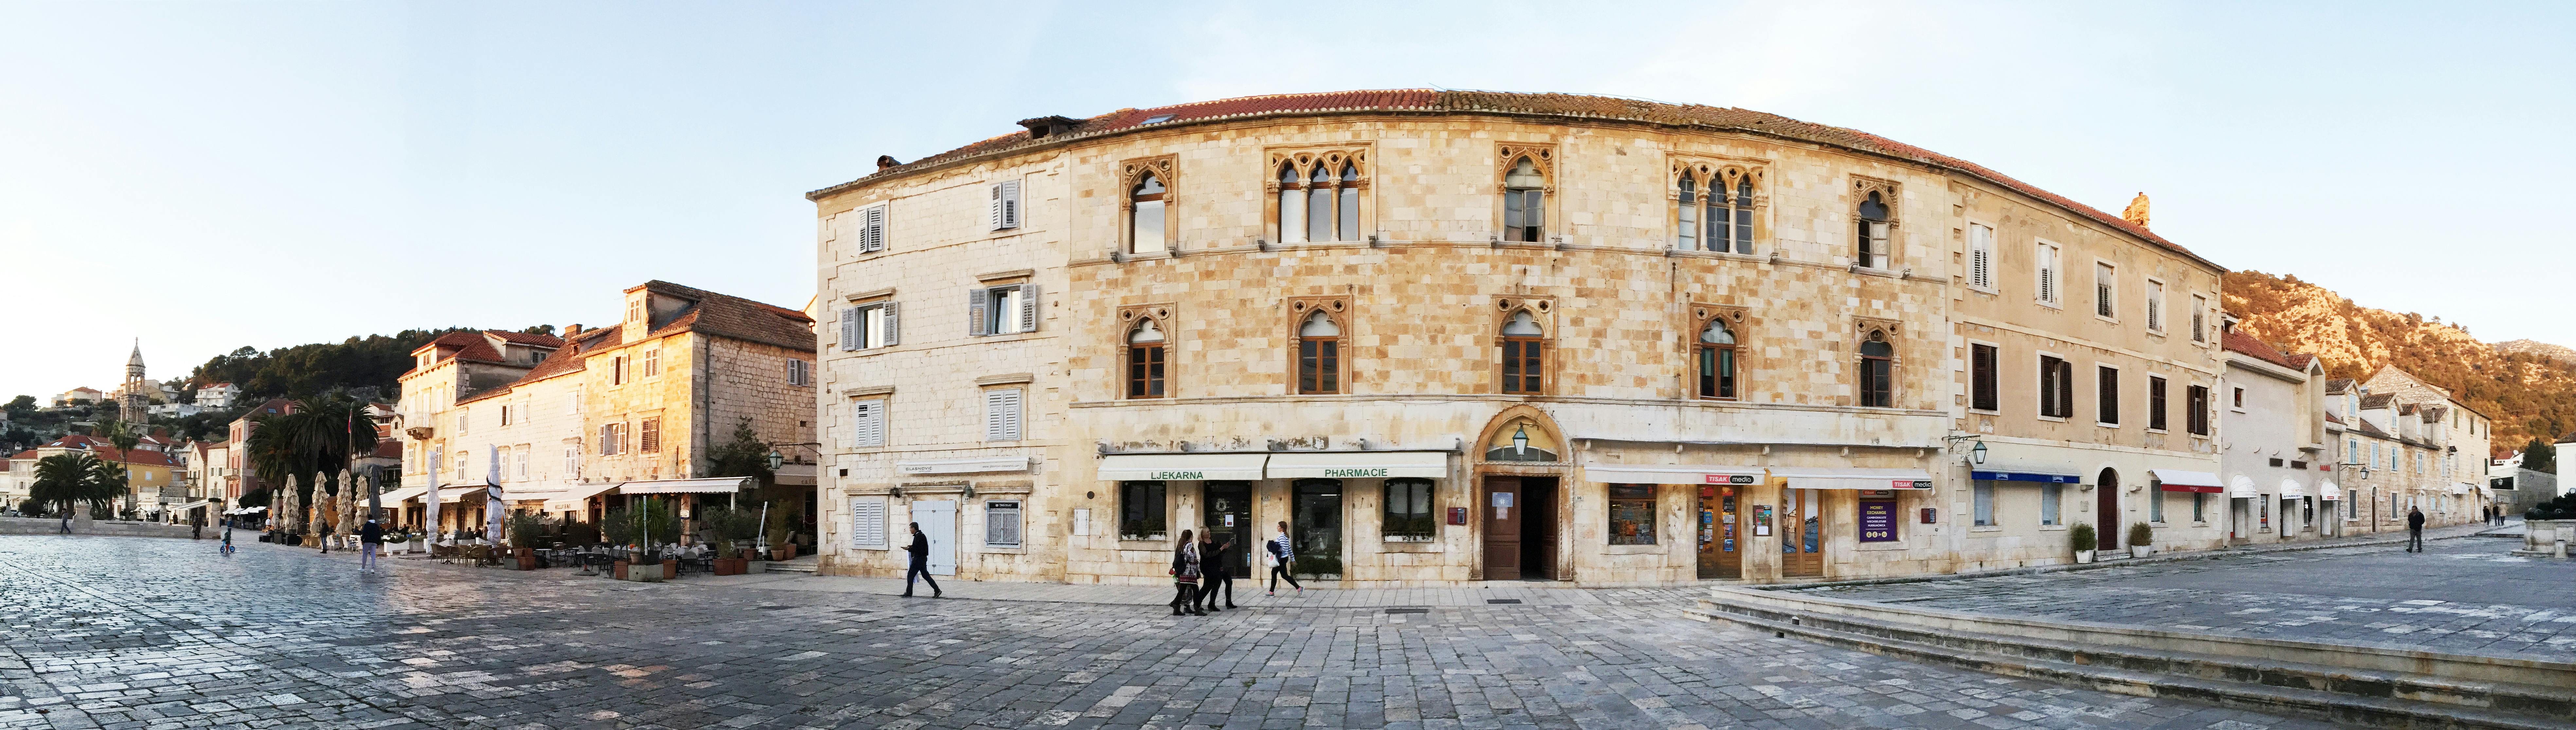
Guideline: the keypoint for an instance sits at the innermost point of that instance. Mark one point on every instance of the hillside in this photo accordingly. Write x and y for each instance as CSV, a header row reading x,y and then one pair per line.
x,y
299,371
2528,387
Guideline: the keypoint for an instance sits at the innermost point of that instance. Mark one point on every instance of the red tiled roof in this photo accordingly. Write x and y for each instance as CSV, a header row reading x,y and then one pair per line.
x,y
1576,106
569,359
527,339
2245,343
2376,402
2370,430
2338,385
2301,360
2331,418
735,317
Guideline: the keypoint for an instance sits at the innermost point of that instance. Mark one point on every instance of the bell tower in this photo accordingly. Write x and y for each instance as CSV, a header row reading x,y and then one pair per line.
x,y
135,405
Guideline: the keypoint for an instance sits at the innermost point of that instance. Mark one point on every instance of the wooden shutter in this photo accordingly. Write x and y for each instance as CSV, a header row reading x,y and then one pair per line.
x,y
2065,389
867,423
1002,415
652,435
849,329
1028,307
977,302
868,522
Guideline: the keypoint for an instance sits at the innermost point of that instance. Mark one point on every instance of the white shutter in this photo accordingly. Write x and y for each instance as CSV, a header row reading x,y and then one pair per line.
x,y
1002,524
1006,204
867,423
1028,307
872,232
572,404
849,329
796,373
607,439
572,462
890,328
521,468
1002,415
977,301
868,522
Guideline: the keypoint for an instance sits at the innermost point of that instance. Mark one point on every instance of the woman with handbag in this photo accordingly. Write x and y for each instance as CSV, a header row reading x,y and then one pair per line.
x,y
1185,575
1281,553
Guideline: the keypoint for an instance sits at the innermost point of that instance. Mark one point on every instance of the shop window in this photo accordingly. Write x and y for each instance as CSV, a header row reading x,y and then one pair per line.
x,y
1632,514
2052,497
2199,507
1409,511
1717,362
1985,503
1319,355
1522,363
1877,372
2155,502
1002,524
1141,511
1317,517
1145,360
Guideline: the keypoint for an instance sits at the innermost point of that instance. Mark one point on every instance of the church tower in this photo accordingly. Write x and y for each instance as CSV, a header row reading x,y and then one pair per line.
x,y
135,405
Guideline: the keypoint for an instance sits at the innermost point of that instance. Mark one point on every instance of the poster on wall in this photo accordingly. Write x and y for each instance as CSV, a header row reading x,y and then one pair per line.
x,y
1878,520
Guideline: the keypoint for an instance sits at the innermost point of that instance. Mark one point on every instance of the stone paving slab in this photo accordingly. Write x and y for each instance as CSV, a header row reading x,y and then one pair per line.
x,y
2462,595
138,633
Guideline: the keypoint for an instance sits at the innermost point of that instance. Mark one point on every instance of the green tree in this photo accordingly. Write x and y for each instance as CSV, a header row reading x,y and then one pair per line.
x,y
274,459
124,436
331,432
21,407
745,456
65,481
2540,455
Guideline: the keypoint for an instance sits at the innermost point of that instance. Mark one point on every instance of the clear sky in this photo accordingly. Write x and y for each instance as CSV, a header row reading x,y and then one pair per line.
x,y
208,175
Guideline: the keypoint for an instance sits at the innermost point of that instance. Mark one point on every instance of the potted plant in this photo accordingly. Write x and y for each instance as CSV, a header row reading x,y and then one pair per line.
x,y
2142,540
779,546
619,528
728,528
524,531
2083,539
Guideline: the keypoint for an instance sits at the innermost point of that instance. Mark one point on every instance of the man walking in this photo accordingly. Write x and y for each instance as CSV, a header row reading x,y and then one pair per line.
x,y
371,538
2414,530
197,526
67,520
920,549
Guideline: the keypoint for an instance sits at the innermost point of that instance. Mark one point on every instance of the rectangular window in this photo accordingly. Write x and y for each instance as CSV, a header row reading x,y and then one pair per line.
x,y
2237,398
1140,511
2104,286
653,362
1524,214
2107,384
2197,420
1984,392
1984,495
572,404
653,435
519,465
2155,504
2352,451
461,421
1002,414
1521,365
460,466
2155,403
1145,369
2048,274
1006,204
2051,495
868,522
1408,511
2155,306
2199,304
1632,514
2351,504
799,373
1002,310
1981,257
867,423
2056,388
867,326
1002,524
2199,507
505,415
871,230
572,460
617,370
1319,365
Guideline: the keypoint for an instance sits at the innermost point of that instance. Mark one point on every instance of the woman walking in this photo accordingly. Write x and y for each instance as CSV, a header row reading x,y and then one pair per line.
x,y
1185,576
1282,553
1217,565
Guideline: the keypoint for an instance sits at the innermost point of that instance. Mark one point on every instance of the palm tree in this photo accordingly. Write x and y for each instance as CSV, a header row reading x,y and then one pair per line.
x,y
275,460
332,432
123,436
64,481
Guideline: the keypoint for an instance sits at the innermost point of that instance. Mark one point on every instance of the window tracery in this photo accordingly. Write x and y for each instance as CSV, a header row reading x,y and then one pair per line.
x,y
1873,216
1315,195
1526,180
1146,204
1714,206
1716,366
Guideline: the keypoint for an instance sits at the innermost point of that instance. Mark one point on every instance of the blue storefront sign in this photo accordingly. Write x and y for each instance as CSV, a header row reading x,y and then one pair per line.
x,y
2023,476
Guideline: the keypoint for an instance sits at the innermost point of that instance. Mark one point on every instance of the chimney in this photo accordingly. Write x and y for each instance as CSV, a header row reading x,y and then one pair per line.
x,y
2137,210
570,330
1049,126
887,161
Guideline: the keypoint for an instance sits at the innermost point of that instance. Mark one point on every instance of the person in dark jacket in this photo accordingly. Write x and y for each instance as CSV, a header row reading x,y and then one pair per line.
x,y
2414,530
1217,571
1185,576
920,550
371,539
197,526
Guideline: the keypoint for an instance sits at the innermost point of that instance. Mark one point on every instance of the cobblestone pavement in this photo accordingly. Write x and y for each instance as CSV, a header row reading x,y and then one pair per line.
x,y
158,633
2463,595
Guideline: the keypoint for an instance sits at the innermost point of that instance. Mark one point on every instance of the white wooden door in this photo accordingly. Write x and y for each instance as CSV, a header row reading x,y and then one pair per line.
x,y
938,520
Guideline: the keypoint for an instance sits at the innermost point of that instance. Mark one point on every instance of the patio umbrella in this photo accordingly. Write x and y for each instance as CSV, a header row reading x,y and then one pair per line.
x,y
437,458
492,497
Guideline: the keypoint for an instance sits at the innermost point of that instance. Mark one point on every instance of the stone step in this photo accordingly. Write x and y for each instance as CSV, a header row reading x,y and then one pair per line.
x,y
2344,694
788,566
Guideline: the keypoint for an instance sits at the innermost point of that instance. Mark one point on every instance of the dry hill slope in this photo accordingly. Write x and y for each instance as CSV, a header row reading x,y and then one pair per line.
x,y
2528,387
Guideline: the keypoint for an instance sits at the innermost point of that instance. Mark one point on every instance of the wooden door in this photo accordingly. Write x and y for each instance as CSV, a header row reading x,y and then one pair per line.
x,y
1503,513
1720,555
1802,533
2106,511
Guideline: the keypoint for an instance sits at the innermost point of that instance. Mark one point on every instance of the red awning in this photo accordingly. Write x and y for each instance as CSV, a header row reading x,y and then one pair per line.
x,y
2192,488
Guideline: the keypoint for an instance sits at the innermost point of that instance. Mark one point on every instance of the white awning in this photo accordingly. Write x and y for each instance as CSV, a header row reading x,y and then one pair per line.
x,y
455,494
1813,477
1358,464
2243,488
534,495
404,494
1671,474
245,510
2291,489
710,485
2326,490
192,505
1181,467
579,492
2462,487
796,474
2185,478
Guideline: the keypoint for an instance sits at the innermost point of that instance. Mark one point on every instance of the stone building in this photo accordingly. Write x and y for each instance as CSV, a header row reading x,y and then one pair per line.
x,y
629,409
1456,336
2402,454
2278,456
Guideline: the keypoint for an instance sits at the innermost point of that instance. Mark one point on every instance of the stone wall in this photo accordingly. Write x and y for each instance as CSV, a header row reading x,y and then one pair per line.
x,y
35,526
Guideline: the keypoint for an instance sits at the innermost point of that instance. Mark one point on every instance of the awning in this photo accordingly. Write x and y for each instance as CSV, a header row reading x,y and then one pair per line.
x,y
711,485
245,510
2462,487
1671,474
582,492
1181,467
2177,480
1816,477
455,494
2326,490
2291,489
404,494
2243,488
2024,476
1358,464
193,505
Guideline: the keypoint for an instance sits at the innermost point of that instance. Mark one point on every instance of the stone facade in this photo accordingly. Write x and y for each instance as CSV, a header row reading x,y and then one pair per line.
x,y
1636,480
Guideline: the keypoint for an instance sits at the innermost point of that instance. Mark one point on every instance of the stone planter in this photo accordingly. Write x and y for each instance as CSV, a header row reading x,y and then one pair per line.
x,y
2140,551
2542,537
2083,556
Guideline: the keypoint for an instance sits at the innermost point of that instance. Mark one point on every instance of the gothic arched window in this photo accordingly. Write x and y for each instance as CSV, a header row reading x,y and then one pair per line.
x,y
1319,355
1319,205
1870,239
1706,217
1292,205
1716,361
1877,371
1145,218
1524,202
1145,360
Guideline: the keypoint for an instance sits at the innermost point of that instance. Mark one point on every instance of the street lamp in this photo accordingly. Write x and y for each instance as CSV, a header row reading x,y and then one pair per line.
x,y
1977,455
776,459
1520,440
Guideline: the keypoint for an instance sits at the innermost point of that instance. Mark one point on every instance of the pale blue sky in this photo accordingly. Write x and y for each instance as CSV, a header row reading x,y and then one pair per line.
x,y
209,175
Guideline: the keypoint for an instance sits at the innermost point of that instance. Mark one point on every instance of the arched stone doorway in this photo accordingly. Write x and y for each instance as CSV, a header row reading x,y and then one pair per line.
x,y
2106,510
1519,496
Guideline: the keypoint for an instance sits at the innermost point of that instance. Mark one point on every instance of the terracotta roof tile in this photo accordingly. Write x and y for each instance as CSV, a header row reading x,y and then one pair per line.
x,y
2338,385
2245,343
527,339
1578,106
2376,402
2331,418
2369,429
742,319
